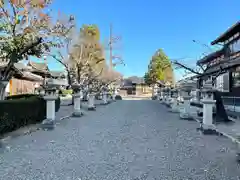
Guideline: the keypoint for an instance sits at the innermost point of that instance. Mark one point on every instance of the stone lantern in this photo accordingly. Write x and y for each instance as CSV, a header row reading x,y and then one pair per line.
x,y
91,99
154,90
168,95
115,93
77,100
164,93
208,104
105,95
161,94
174,104
109,96
81,92
158,94
50,97
186,88
193,94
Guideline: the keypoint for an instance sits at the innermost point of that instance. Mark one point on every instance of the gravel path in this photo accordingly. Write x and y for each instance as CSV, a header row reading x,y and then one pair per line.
x,y
126,140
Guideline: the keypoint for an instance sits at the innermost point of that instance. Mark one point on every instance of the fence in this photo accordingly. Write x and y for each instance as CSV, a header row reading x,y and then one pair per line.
x,y
231,103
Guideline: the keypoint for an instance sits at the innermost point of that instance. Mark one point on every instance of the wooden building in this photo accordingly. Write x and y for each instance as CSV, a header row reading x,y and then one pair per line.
x,y
135,86
224,63
32,75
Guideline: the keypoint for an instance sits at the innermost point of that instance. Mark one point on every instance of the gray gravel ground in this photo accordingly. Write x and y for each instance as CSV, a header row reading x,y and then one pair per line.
x,y
126,140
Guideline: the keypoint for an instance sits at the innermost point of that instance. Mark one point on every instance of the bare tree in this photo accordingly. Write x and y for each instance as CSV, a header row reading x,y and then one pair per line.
x,y
200,70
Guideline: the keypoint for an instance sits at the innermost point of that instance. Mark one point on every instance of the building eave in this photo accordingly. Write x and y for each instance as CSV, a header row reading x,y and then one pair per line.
x,y
230,32
211,57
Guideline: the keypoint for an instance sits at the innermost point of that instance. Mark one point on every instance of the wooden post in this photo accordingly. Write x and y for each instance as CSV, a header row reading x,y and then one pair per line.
x,y
10,87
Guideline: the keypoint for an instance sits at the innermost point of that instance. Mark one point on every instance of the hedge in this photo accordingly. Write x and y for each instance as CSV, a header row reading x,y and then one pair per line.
x,y
21,96
21,110
65,92
17,113
118,97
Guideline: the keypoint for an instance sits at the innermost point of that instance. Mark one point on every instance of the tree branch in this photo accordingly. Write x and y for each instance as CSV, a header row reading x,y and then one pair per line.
x,y
185,67
26,49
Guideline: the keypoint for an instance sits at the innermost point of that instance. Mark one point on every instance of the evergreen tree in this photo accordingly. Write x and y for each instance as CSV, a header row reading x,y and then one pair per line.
x,y
159,68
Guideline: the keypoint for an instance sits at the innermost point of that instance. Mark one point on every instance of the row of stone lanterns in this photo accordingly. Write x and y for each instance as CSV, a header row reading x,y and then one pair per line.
x,y
50,95
188,92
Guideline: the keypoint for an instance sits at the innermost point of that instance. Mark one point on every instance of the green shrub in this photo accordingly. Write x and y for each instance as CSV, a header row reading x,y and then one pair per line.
x,y
118,97
154,97
65,92
24,96
19,96
21,110
17,113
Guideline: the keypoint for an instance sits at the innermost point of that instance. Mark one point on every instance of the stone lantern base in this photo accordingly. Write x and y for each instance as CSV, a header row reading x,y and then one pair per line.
x,y
185,112
48,124
91,104
208,130
92,108
77,101
174,106
77,114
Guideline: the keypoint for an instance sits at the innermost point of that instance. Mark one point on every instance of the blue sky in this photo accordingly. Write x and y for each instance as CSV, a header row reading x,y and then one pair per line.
x,y
146,26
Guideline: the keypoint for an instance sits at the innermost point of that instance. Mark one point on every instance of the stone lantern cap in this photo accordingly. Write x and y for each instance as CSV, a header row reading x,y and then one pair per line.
x,y
39,88
104,88
174,90
51,85
207,87
165,89
76,87
155,86
188,85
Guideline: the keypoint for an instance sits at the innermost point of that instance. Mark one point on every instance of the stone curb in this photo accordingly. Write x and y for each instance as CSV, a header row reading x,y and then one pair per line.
x,y
24,131
233,139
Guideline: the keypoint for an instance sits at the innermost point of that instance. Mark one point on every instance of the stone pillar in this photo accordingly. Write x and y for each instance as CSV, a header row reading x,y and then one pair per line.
x,y
161,94
91,102
81,94
164,94
174,105
114,94
77,101
105,101
108,96
50,97
194,95
168,96
154,90
208,104
158,94
185,111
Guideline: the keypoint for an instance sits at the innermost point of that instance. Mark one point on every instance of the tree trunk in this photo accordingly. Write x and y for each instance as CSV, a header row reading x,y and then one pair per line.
x,y
3,85
221,114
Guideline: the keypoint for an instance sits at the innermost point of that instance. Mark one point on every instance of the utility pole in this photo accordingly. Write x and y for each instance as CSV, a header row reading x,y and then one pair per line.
x,y
110,48
113,40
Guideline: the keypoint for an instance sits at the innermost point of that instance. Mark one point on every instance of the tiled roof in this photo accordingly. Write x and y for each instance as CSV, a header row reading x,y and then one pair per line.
x,y
136,80
57,74
229,33
211,56
38,66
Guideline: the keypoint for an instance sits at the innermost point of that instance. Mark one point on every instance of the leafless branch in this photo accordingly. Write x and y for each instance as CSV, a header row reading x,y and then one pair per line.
x,y
186,68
